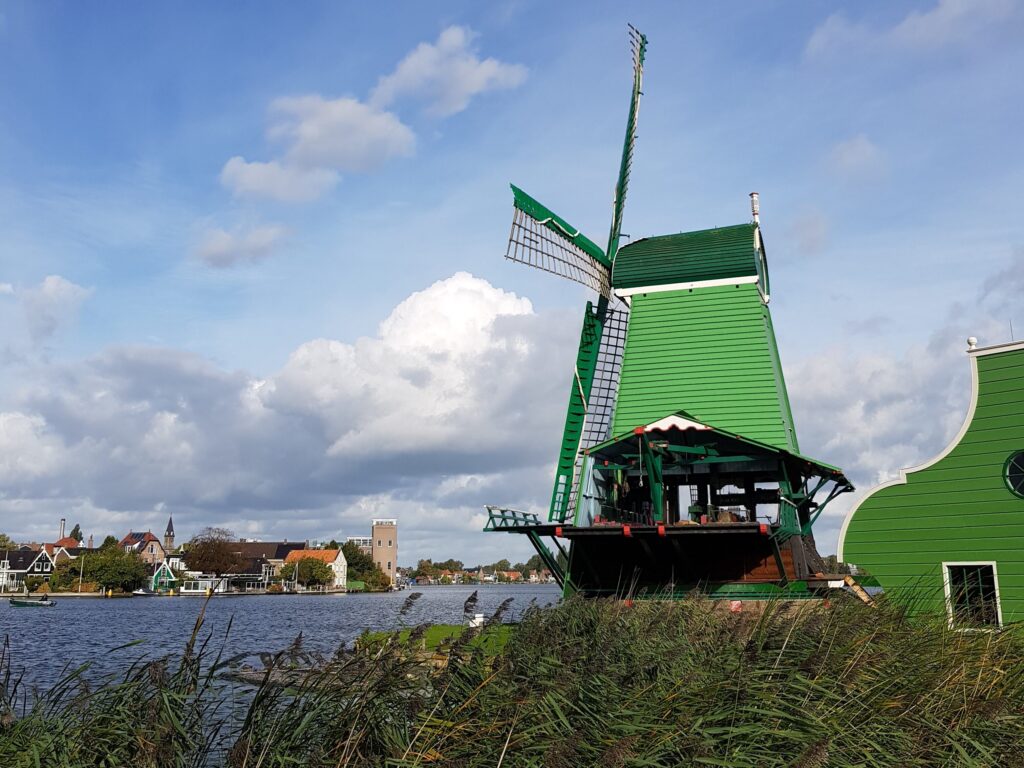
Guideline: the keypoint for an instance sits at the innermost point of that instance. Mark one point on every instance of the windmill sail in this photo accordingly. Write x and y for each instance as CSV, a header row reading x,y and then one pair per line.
x,y
544,240
638,41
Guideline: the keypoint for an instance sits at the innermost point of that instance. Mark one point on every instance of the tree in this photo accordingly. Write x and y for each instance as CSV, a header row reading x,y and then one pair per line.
x,y
358,561
116,569
311,572
76,533
6,542
376,580
212,551
362,568
109,541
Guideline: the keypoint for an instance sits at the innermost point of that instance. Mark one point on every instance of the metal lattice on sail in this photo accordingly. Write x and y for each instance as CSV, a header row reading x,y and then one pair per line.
x,y
603,391
605,387
541,239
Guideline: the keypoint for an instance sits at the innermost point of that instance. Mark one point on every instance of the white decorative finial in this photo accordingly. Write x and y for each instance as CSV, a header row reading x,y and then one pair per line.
x,y
972,342
755,206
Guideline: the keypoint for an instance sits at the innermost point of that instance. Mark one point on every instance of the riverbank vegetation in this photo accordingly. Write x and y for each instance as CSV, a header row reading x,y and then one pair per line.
x,y
586,683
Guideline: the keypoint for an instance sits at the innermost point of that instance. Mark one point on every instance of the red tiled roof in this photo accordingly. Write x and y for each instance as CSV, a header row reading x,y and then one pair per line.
x,y
326,555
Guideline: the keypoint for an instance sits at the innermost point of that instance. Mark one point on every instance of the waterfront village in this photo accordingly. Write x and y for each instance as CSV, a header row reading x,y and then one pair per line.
x,y
216,562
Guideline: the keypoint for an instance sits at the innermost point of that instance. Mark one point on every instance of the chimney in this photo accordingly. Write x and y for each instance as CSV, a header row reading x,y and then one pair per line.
x,y
755,206
63,521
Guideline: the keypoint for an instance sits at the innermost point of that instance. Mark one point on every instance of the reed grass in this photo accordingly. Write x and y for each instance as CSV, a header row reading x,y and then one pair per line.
x,y
586,683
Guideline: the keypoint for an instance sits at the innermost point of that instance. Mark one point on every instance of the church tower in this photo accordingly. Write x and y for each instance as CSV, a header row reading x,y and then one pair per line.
x,y
169,535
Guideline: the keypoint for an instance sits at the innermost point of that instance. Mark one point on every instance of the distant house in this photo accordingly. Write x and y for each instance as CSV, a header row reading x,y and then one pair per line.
x,y
162,578
335,558
511,576
271,553
16,565
145,545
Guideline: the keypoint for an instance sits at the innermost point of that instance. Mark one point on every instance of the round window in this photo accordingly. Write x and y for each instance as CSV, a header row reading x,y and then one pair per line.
x,y
1013,472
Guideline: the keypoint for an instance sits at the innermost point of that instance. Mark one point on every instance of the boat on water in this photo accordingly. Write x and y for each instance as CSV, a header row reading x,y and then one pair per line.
x,y
143,592
32,602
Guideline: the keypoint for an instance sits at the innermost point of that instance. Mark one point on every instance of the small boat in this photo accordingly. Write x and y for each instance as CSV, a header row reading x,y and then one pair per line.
x,y
143,592
29,602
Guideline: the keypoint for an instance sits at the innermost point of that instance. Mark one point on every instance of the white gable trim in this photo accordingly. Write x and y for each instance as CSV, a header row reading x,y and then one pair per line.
x,y
674,422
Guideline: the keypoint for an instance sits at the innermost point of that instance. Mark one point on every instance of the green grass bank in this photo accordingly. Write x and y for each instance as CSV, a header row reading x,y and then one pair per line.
x,y
587,683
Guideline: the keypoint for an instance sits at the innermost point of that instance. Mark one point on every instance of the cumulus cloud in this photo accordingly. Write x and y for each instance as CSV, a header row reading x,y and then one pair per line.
x,y
325,138
53,303
6,289
446,74
220,248
948,22
857,158
455,401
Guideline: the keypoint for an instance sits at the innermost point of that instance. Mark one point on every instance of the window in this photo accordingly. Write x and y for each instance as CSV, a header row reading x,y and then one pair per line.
x,y
972,595
151,549
389,542
389,565
378,542
1013,474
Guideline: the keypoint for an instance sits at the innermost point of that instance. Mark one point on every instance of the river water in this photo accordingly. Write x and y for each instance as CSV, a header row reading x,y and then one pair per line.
x,y
79,630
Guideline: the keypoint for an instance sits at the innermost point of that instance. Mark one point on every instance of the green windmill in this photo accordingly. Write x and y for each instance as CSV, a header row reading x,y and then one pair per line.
x,y
679,467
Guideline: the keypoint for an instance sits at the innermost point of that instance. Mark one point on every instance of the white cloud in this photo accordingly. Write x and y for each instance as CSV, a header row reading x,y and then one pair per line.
x,y
325,138
446,74
275,181
451,404
857,158
6,289
53,303
343,134
946,23
220,248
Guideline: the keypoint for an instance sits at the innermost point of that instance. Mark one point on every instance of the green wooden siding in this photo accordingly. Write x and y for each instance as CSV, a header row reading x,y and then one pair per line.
x,y
956,510
710,352
687,257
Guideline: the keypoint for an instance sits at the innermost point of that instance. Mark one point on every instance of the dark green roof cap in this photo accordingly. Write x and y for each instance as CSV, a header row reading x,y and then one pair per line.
x,y
688,257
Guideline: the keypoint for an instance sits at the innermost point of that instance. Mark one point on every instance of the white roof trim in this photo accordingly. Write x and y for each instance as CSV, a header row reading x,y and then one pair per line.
x,y
902,478
622,293
995,349
674,422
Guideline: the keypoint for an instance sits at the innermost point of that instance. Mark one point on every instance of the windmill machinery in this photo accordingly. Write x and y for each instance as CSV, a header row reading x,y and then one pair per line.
x,y
679,466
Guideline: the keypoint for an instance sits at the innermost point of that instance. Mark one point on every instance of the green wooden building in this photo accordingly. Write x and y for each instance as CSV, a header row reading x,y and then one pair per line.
x,y
949,534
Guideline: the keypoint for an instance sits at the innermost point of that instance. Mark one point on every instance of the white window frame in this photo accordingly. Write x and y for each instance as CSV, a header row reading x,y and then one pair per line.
x,y
949,596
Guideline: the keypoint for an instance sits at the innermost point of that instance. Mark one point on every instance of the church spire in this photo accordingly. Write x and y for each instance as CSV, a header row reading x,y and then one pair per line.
x,y
169,535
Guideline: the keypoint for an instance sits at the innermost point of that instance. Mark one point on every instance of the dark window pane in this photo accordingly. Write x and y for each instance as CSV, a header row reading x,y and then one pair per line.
x,y
972,596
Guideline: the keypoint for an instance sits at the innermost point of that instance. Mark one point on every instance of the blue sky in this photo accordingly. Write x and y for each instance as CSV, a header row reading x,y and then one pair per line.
x,y
191,195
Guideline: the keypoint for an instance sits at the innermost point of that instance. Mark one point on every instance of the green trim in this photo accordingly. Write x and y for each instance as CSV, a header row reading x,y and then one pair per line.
x,y
1006,473
557,224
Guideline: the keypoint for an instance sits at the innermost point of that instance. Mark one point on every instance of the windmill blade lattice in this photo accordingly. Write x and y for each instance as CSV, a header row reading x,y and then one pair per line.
x,y
543,240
